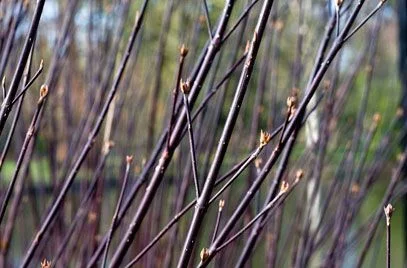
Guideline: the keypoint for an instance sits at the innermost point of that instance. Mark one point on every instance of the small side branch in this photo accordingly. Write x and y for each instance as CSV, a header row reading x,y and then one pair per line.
x,y
27,86
129,160
215,230
185,87
207,18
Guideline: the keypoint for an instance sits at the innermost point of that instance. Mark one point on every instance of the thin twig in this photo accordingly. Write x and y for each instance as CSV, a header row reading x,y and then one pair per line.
x,y
183,53
27,86
379,5
218,216
280,197
129,160
185,87
239,20
236,170
207,18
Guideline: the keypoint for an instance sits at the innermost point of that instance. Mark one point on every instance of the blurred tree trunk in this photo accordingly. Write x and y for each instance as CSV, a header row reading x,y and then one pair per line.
x,y
402,14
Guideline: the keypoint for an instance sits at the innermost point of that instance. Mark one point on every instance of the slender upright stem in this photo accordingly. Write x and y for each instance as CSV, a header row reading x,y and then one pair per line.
x,y
183,53
129,159
207,18
218,216
185,90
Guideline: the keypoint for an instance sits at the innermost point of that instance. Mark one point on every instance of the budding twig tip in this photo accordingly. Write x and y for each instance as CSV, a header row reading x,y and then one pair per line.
x,y
43,91
221,204
388,211
299,174
129,159
204,254
284,187
45,263
185,86
265,138
292,102
183,50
